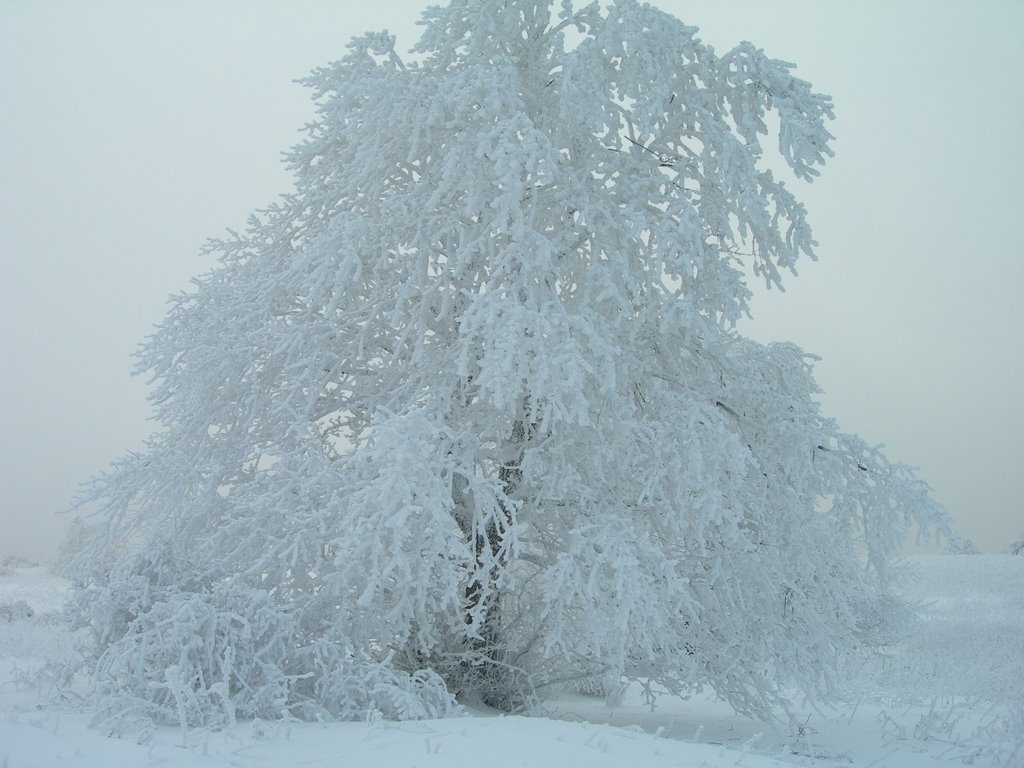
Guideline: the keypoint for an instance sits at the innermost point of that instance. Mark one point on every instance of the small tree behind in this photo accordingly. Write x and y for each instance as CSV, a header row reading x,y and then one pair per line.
x,y
469,405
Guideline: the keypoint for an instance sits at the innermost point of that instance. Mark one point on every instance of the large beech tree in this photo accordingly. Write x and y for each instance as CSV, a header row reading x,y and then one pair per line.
x,y
467,412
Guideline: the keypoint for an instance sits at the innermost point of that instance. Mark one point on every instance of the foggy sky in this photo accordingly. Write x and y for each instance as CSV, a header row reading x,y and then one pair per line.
x,y
130,132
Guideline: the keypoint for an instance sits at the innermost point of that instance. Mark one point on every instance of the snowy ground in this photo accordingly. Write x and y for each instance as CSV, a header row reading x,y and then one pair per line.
x,y
953,694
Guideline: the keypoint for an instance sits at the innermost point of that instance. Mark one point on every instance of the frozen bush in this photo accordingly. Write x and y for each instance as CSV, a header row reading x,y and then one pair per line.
x,y
10,563
16,611
171,649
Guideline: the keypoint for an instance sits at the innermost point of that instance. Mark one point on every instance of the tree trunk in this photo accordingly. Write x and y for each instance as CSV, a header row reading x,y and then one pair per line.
x,y
490,674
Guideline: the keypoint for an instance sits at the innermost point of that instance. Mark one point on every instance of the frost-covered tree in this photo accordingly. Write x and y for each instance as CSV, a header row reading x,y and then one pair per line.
x,y
466,412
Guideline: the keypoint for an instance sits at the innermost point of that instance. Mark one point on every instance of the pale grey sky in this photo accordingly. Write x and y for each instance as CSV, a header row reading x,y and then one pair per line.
x,y
132,130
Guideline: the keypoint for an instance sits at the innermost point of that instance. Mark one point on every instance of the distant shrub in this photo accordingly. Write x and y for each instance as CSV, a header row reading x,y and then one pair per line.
x,y
959,545
10,563
16,611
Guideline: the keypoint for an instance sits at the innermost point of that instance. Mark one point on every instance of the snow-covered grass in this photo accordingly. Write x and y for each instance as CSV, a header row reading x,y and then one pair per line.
x,y
951,694
30,602
973,629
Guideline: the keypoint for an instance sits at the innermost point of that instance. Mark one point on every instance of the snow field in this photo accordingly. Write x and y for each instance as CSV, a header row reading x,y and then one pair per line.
x,y
953,694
